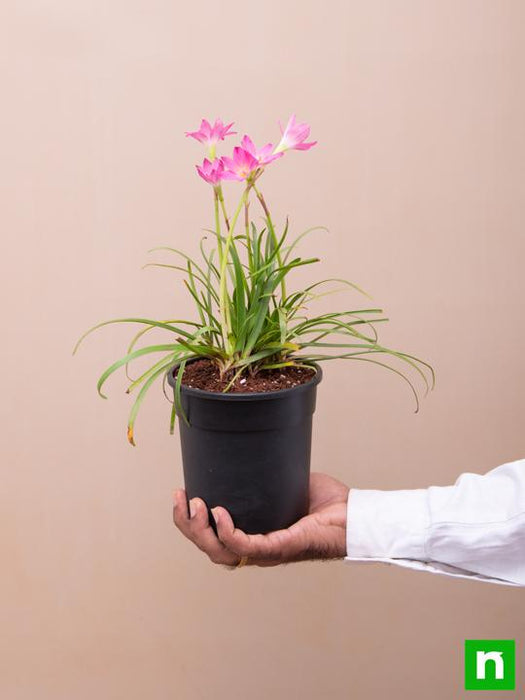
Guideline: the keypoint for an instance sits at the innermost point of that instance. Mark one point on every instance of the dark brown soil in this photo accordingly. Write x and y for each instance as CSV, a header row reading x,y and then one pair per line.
x,y
204,374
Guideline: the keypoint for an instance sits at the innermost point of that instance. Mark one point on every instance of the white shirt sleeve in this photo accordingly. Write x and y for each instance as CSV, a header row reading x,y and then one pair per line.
x,y
474,529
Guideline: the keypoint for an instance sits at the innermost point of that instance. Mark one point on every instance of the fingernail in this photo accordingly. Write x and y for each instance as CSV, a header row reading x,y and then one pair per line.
x,y
215,512
193,507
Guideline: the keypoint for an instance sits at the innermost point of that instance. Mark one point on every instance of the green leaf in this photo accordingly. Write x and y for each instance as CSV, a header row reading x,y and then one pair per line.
x,y
143,331
148,321
163,363
183,255
178,383
187,270
271,349
341,281
137,403
131,356
301,236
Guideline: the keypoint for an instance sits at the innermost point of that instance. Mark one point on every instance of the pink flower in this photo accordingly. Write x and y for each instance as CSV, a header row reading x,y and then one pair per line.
x,y
241,166
263,155
294,136
209,134
212,172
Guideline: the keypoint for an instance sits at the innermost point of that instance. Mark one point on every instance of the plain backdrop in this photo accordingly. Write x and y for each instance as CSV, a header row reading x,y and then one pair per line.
x,y
419,110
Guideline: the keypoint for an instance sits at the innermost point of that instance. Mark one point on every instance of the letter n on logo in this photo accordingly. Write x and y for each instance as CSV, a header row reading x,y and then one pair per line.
x,y
490,664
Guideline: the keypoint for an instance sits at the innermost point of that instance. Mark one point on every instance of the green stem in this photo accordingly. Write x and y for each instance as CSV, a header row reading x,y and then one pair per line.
x,y
271,228
216,196
247,233
223,207
224,310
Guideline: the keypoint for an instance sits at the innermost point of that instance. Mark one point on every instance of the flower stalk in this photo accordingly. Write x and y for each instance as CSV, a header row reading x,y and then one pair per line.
x,y
271,228
225,315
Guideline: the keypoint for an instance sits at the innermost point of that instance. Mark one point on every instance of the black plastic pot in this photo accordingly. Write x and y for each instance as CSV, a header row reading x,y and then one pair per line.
x,y
249,452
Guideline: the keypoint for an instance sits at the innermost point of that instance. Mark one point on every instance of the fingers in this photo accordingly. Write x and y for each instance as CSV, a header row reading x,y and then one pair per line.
x,y
292,544
195,526
276,546
180,510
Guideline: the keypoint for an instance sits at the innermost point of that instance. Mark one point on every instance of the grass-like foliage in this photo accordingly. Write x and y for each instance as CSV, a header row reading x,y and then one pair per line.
x,y
247,319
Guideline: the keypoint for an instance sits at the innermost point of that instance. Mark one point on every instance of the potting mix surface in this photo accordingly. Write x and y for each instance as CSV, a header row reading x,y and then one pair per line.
x,y
205,375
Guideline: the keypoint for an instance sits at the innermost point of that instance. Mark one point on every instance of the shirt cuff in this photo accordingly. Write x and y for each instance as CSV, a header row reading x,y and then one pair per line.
x,y
431,567
387,524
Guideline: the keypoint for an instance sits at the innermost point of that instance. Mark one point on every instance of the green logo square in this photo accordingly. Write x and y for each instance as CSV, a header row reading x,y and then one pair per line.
x,y
490,664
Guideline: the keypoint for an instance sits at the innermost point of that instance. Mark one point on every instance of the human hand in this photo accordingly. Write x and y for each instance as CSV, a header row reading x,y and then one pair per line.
x,y
319,535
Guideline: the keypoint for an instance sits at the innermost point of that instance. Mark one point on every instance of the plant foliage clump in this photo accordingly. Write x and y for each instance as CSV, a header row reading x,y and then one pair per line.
x,y
247,317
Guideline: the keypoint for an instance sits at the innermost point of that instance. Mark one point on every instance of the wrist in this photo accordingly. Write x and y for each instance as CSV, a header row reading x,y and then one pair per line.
x,y
340,519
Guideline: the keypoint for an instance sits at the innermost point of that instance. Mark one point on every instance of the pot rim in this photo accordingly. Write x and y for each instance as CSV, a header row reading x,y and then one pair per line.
x,y
249,395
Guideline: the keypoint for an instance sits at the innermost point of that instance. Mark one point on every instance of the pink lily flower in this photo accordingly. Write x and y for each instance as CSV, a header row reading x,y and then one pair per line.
x,y
211,172
294,137
263,155
210,135
241,166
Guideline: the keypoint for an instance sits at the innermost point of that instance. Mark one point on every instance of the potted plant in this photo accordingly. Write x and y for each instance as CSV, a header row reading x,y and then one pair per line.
x,y
245,370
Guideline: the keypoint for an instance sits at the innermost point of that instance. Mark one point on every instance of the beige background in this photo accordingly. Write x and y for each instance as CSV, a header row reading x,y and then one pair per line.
x,y
419,110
